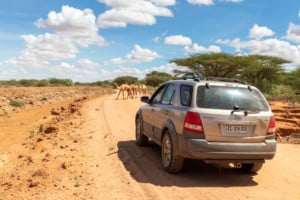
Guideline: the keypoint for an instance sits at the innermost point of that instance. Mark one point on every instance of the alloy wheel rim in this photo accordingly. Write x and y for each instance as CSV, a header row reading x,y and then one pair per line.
x,y
138,129
167,152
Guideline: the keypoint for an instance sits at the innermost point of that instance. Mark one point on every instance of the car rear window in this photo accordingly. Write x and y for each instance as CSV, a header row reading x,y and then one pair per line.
x,y
186,94
219,97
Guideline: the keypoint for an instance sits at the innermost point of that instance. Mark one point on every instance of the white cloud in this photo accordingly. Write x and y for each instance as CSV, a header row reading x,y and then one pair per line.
x,y
72,27
49,47
168,68
138,12
201,2
135,72
178,40
43,48
138,55
115,61
233,1
164,2
270,47
258,32
195,48
66,71
86,64
77,25
293,33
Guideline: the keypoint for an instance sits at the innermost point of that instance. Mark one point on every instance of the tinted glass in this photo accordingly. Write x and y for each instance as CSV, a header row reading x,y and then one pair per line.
x,y
169,93
186,95
158,95
229,98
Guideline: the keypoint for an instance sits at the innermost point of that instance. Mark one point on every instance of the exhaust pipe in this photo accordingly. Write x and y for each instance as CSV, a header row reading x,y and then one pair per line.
x,y
235,165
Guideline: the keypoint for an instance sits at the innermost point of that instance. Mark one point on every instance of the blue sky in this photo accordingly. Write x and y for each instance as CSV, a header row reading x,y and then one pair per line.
x,y
91,40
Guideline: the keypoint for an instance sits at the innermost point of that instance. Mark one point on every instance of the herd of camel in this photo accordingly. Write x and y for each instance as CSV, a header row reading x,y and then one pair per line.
x,y
131,90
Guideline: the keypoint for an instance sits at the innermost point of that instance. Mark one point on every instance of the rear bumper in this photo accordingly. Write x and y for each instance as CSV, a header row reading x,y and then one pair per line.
x,y
203,150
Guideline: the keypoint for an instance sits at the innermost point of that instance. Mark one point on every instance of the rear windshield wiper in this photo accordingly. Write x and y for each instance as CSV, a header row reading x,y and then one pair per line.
x,y
246,112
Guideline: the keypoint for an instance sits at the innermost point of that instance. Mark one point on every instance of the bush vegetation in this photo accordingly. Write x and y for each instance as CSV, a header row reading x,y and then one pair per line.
x,y
17,103
265,72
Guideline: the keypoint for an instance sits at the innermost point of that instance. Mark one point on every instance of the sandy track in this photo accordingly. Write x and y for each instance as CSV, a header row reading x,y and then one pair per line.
x,y
97,158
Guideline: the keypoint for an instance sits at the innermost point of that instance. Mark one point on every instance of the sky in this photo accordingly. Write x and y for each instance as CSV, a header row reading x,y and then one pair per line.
x,y
96,40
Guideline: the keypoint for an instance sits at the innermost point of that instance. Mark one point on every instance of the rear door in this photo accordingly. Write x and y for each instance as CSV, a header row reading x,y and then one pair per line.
x,y
233,114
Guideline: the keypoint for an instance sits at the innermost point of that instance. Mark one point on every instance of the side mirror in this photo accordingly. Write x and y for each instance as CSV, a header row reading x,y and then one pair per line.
x,y
145,99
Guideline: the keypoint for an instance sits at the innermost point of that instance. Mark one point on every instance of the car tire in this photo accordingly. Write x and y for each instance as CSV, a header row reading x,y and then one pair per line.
x,y
140,138
171,163
251,168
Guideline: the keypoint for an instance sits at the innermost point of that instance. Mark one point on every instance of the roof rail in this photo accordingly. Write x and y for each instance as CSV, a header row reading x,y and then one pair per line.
x,y
194,76
225,80
200,77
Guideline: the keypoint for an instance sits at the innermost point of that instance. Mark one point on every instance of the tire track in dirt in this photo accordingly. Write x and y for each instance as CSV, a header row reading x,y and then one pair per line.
x,y
119,116
196,180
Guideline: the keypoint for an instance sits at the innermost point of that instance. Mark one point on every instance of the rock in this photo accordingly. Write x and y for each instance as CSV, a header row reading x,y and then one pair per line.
x,y
64,165
40,172
73,109
33,183
53,112
51,129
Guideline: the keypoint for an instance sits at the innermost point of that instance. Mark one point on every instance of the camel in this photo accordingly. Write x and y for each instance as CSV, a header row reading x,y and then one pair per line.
x,y
134,90
142,89
122,88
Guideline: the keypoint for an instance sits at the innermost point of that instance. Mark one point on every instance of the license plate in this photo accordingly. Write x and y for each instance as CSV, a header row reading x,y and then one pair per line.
x,y
234,130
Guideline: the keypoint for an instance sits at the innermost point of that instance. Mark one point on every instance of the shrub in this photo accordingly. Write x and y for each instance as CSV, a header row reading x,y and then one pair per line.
x,y
17,103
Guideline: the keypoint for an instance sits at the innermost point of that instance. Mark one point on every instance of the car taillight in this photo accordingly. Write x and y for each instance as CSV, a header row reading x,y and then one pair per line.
x,y
192,122
272,126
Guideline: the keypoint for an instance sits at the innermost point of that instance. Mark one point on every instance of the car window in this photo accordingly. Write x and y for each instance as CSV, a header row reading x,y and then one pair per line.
x,y
157,96
186,94
218,97
169,93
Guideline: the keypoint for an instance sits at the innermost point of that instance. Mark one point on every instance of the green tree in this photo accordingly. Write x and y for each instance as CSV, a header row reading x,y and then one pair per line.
x,y
262,71
211,65
258,70
155,78
60,82
125,80
291,79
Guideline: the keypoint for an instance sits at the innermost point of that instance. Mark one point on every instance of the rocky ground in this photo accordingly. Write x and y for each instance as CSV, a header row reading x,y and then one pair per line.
x,y
78,143
287,116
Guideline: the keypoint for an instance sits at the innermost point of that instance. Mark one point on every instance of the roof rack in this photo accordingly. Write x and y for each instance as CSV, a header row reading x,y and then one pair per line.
x,y
194,76
225,79
200,77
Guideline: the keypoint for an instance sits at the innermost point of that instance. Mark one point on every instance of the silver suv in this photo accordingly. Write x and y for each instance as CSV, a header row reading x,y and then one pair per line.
x,y
220,122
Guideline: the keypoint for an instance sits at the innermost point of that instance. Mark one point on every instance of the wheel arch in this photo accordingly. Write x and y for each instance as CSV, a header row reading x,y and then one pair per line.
x,y
138,114
169,126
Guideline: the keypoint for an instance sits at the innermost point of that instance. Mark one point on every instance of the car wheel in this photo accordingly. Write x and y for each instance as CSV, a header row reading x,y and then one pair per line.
x,y
251,168
170,161
140,138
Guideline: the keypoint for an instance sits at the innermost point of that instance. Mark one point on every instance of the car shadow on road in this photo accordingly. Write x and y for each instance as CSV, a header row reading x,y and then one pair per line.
x,y
144,165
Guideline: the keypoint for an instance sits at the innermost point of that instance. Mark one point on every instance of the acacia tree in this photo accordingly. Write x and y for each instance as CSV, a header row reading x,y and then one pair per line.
x,y
257,70
216,65
155,78
291,79
125,80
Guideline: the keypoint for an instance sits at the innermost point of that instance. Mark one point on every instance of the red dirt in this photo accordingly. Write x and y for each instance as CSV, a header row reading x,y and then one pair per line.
x,y
79,144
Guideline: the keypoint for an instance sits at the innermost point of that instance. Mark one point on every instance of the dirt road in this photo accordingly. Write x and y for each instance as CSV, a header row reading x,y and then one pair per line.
x,y
91,154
